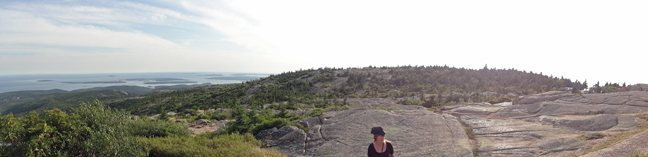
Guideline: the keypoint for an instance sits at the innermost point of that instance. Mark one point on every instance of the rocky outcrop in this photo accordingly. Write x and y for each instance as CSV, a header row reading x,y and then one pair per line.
x,y
412,132
289,139
547,124
596,123
638,87
563,103
635,145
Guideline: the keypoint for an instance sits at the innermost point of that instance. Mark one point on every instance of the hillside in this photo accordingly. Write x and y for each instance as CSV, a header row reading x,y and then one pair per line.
x,y
323,87
10,99
435,110
21,102
65,101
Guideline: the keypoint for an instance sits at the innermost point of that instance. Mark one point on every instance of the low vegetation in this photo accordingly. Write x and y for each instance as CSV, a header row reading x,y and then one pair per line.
x,y
92,129
64,101
222,145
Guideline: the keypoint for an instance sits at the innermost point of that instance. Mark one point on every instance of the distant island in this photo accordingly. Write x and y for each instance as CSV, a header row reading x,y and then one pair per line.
x,y
156,79
170,82
96,82
234,78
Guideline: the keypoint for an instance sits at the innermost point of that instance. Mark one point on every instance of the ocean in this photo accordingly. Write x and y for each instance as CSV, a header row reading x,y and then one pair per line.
x,y
9,83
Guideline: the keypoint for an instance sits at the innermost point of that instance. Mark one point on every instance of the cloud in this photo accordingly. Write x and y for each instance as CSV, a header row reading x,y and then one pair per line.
x,y
81,38
281,35
19,28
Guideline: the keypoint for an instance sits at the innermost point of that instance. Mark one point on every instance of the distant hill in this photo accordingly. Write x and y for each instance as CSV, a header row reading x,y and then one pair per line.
x,y
9,99
139,89
65,101
21,102
434,85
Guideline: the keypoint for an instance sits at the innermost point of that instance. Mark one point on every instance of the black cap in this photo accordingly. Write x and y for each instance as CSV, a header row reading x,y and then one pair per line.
x,y
378,130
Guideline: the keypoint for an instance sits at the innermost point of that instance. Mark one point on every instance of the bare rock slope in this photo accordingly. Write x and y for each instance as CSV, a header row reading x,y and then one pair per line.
x,y
547,124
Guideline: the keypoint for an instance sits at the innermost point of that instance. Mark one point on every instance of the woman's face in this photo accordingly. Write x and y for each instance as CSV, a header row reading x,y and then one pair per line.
x,y
379,137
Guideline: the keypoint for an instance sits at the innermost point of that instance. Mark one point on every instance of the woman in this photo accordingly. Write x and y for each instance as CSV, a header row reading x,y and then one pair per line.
x,y
380,147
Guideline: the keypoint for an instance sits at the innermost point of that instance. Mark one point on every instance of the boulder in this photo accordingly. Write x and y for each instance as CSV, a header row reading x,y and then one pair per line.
x,y
155,116
310,122
288,139
596,123
265,134
199,122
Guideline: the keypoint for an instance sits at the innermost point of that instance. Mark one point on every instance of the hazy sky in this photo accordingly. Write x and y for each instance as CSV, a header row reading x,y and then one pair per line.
x,y
589,39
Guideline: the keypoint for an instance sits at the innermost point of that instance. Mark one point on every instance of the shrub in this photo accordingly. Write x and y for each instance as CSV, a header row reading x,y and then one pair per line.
x,y
251,122
204,116
146,127
221,116
316,112
500,100
274,122
411,102
221,145
91,130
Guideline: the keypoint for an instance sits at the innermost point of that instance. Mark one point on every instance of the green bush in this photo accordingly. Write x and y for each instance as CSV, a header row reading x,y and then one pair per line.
x,y
221,145
91,130
251,122
96,130
221,116
316,112
204,116
146,127
411,102
274,122
500,100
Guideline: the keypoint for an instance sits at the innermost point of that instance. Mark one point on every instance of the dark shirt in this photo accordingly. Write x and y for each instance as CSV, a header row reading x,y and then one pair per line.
x,y
388,151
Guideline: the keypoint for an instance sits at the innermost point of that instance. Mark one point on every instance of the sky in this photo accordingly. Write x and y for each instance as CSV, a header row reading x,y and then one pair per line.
x,y
591,40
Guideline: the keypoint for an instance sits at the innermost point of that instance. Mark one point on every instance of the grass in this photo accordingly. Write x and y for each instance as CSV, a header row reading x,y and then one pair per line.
x,y
222,145
639,155
616,138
